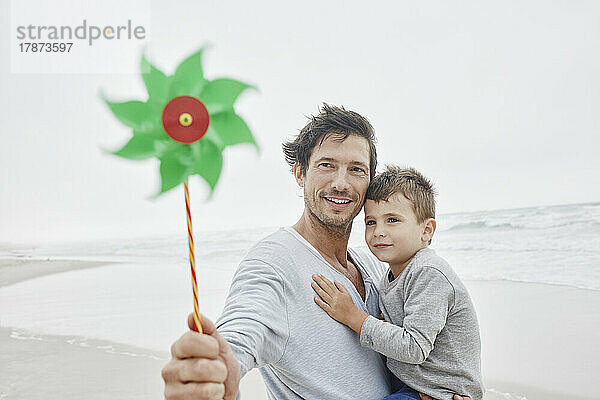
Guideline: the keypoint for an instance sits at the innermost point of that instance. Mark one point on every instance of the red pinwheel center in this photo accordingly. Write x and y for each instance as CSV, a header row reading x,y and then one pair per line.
x,y
185,119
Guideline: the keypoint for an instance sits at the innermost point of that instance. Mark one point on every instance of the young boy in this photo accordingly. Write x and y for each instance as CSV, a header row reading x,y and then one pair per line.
x,y
430,335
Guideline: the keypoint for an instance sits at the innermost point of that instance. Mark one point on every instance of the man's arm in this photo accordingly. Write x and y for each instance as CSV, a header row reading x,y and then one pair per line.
x,y
252,332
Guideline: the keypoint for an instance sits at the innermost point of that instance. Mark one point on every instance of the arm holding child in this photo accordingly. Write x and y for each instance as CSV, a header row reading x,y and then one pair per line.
x,y
426,307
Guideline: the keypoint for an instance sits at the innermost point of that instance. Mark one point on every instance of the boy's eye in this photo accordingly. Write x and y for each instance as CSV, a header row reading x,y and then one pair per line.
x,y
392,219
370,222
358,169
325,164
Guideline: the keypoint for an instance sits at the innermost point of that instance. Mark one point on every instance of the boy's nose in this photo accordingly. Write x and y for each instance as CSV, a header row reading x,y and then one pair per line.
x,y
378,232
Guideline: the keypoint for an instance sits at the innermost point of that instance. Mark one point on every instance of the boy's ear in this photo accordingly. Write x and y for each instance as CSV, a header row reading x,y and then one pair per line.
x,y
298,175
428,230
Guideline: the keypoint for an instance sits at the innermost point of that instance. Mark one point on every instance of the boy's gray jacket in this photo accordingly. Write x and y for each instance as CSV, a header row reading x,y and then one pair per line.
x,y
432,342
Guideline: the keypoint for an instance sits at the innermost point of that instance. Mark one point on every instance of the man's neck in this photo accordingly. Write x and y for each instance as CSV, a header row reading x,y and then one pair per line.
x,y
330,242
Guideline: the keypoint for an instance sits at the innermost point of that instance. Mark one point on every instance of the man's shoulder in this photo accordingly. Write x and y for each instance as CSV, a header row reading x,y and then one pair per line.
x,y
277,247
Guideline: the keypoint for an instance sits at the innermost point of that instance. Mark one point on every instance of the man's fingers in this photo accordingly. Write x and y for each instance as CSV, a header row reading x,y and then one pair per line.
x,y
202,370
324,295
195,391
458,397
193,344
207,325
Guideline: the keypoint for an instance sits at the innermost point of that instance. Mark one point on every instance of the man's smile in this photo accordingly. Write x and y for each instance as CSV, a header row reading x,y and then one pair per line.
x,y
338,203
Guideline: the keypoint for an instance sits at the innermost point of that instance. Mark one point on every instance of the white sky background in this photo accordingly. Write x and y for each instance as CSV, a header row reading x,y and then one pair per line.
x,y
497,103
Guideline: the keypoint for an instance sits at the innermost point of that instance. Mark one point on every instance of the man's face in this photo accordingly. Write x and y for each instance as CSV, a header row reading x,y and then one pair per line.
x,y
336,180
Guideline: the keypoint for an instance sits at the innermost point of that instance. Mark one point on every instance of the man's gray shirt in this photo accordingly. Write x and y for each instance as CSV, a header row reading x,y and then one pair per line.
x,y
272,322
432,342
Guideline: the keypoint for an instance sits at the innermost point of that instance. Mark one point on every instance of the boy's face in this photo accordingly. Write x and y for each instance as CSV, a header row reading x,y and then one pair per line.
x,y
392,231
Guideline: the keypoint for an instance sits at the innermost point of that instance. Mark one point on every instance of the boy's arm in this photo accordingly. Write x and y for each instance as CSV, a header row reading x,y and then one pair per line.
x,y
424,291
337,302
429,297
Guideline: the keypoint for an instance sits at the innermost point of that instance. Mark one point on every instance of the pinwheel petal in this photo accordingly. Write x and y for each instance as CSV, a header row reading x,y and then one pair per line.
x,y
164,146
213,136
231,129
157,83
189,77
135,114
220,94
172,171
139,147
208,162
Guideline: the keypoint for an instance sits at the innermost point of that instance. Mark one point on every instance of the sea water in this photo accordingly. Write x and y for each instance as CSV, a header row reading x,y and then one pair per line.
x,y
553,244
144,298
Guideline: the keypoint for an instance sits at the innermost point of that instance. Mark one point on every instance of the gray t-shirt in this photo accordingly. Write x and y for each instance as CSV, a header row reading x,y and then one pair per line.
x,y
432,342
272,323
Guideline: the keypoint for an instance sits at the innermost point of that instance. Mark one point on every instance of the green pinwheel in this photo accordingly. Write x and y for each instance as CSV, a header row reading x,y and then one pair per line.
x,y
186,123
182,109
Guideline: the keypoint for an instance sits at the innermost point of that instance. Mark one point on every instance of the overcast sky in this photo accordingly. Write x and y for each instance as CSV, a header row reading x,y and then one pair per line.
x,y
497,103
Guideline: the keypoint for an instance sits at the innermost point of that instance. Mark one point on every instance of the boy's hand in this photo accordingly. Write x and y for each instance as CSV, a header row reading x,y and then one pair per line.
x,y
337,302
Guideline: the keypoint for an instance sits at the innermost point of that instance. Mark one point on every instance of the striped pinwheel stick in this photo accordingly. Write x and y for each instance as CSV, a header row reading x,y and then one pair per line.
x,y
197,318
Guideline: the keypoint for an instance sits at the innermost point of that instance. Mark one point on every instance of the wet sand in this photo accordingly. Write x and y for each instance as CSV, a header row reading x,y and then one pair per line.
x,y
538,342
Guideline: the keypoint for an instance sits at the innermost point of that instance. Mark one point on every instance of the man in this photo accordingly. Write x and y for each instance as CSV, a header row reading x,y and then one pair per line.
x,y
270,320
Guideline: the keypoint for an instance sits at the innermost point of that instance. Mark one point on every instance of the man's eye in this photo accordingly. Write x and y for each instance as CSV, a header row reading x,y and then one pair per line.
x,y
325,164
392,219
358,169
370,222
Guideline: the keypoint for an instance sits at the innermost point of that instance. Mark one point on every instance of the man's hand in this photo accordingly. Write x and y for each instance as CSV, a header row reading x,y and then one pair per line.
x,y
456,397
337,302
202,366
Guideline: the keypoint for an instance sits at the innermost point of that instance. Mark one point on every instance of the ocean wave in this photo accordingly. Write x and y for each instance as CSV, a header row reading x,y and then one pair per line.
x,y
527,224
533,281
483,225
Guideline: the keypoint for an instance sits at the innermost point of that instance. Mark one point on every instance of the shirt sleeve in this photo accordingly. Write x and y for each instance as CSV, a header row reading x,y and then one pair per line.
x,y
254,320
429,297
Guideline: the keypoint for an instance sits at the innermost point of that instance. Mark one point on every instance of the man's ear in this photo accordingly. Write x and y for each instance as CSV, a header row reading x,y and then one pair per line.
x,y
428,230
298,174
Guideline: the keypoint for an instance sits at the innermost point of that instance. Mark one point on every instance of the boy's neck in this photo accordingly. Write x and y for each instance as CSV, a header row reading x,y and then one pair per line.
x,y
398,268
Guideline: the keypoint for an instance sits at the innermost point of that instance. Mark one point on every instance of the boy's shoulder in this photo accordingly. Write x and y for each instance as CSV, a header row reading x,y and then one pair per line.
x,y
427,258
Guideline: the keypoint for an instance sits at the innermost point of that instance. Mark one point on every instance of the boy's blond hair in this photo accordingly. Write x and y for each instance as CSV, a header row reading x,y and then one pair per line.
x,y
411,184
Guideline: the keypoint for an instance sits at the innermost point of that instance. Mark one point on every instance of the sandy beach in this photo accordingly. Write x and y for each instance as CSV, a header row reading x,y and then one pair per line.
x,y
35,366
537,343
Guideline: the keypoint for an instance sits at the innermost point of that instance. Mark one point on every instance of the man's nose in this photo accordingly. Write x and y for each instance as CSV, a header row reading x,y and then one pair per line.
x,y
340,181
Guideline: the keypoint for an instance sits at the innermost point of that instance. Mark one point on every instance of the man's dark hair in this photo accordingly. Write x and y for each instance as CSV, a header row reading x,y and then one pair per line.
x,y
330,120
